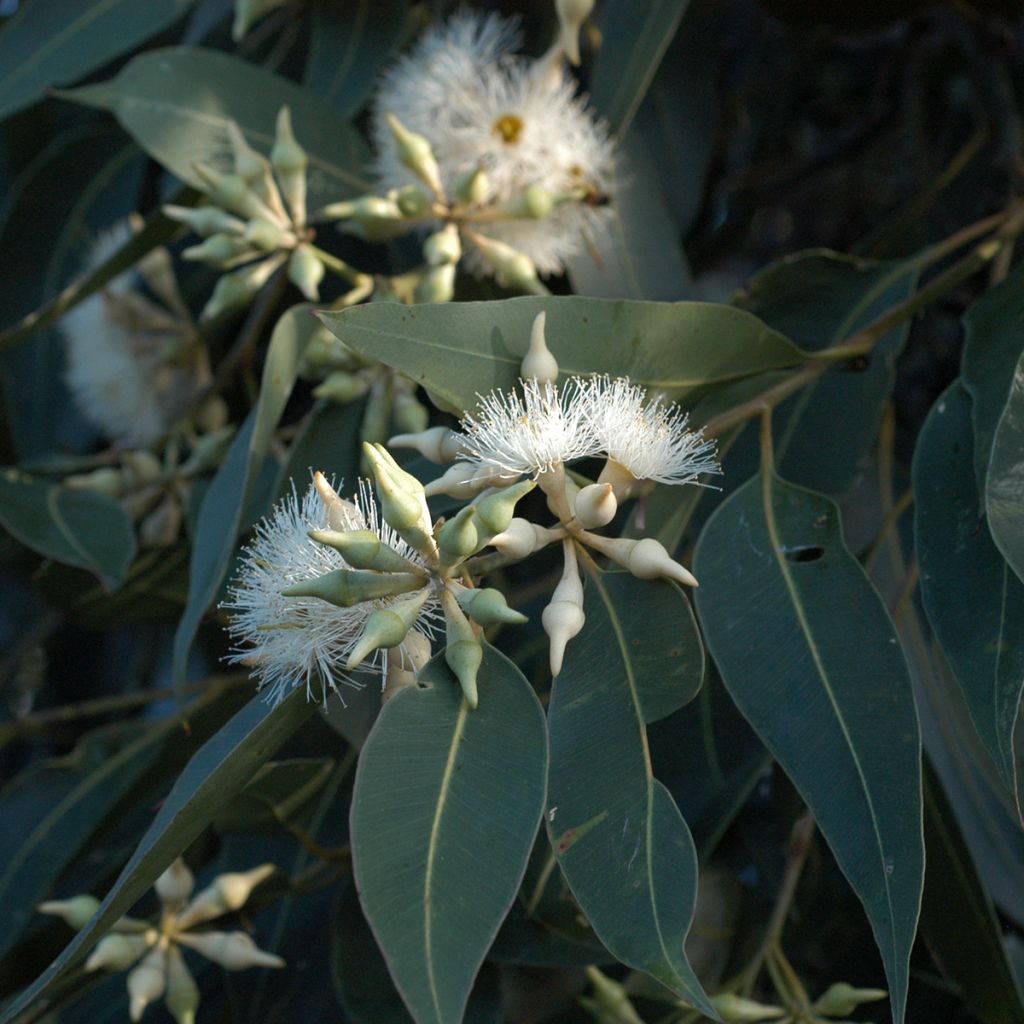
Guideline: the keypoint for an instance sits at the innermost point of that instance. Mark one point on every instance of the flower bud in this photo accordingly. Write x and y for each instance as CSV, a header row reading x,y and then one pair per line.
x,y
402,666
467,479
182,997
417,154
239,288
341,514
375,218
347,587
234,951
488,607
595,506
646,559
75,912
306,271
161,526
841,999
403,502
533,203
254,168
459,537
386,627
438,444
205,220
225,894
563,618
265,235
735,1009
363,549
105,480
289,161
611,1003
443,246
571,15
512,268
232,192
412,201
538,363
174,886
342,387
146,983
117,952
472,186
437,284
219,251
408,413
522,538
463,652
496,511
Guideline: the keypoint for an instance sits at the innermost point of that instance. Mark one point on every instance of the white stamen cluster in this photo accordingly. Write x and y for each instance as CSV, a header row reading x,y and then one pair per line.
x,y
293,641
482,106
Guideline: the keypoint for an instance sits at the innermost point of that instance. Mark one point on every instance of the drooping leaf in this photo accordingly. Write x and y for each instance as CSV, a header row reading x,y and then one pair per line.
x,y
224,505
973,599
460,350
616,832
53,42
439,851
807,650
77,527
215,774
176,104
1004,486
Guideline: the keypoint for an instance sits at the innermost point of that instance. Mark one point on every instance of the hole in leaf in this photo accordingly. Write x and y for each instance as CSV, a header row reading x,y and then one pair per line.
x,y
804,554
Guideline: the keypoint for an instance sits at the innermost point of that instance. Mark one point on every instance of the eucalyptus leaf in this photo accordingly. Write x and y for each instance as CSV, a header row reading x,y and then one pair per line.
x,y
215,774
279,793
462,350
77,527
1004,485
793,621
176,103
974,601
439,850
617,834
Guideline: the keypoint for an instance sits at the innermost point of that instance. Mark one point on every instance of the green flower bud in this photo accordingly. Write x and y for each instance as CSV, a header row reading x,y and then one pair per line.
x,y
534,203
417,154
408,413
289,161
117,952
538,363
443,246
254,168
232,192
346,587
342,387
105,480
239,288
488,607
458,538
234,951
206,220
341,514
220,251
496,511
437,284
306,271
611,1004
174,886
182,998
403,501
75,912
146,983
412,201
513,268
401,671
363,549
266,235
841,999
438,444
225,894
463,652
467,479
735,1009
646,559
472,186
386,627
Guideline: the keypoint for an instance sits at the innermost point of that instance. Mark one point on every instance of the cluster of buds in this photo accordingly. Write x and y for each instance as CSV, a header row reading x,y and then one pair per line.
x,y
255,221
153,951
840,1000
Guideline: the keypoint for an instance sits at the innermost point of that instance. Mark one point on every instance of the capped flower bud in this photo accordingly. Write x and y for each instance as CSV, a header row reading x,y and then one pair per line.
x,y
238,288
646,559
538,363
342,387
458,538
75,912
513,268
488,607
522,538
254,167
595,505
386,627
571,15
234,951
363,549
376,414
376,218
733,1008
841,999
289,161
340,513
412,201
117,952
467,479
346,587
306,271
403,502
408,413
174,886
105,480
206,220
443,246
225,894
417,154
438,444
146,983
219,251
472,186
533,202
496,511
563,618
232,192
182,997
141,467
402,669
463,652
611,1003
265,235
437,284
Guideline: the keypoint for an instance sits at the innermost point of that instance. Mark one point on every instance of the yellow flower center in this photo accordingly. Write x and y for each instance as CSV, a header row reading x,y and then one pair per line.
x,y
509,127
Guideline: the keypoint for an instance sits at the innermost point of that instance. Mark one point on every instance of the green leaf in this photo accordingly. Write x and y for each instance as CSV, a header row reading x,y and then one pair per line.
x,y
215,774
279,793
232,489
974,601
958,921
617,834
634,40
50,42
807,650
176,104
460,350
348,45
444,813
1004,485
76,527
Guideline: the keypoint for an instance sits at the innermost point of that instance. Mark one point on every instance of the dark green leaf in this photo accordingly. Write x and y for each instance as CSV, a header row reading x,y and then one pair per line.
x,y
619,838
214,775
76,527
177,102
807,650
280,792
974,601
51,42
460,350
1004,487
444,814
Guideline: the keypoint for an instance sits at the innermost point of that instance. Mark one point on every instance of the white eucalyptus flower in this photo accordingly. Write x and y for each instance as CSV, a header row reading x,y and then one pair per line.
x,y
293,641
529,433
647,438
483,107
